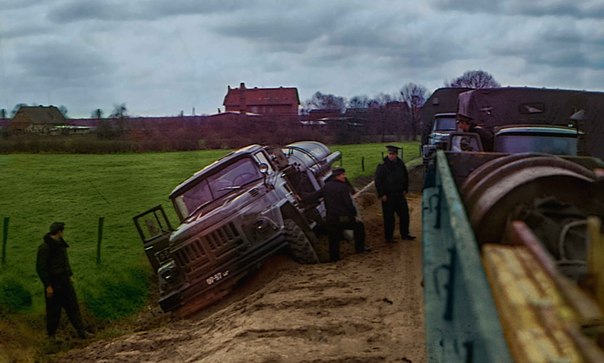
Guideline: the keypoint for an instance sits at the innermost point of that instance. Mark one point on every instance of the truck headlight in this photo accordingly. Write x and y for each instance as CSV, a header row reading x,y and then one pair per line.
x,y
168,272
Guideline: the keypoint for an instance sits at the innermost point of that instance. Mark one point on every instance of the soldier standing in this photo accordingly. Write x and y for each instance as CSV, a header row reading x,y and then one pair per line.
x,y
392,184
55,272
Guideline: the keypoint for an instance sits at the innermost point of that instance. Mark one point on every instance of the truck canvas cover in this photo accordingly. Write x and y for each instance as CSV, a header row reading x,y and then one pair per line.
x,y
491,107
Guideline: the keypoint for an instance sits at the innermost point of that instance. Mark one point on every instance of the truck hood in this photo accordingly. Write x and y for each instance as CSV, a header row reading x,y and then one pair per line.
x,y
219,211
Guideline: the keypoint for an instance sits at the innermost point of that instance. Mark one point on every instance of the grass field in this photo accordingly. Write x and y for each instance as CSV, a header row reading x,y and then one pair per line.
x,y
37,189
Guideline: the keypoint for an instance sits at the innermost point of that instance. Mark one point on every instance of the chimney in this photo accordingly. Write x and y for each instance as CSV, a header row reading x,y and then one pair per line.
x,y
242,105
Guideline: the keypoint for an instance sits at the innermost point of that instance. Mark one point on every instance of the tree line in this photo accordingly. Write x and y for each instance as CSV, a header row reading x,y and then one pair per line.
x,y
414,95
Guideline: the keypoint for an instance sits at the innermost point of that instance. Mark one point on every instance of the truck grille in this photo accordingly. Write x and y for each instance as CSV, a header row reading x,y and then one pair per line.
x,y
217,243
221,237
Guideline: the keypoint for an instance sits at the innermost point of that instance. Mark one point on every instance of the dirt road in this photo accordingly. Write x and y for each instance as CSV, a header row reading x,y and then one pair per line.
x,y
365,308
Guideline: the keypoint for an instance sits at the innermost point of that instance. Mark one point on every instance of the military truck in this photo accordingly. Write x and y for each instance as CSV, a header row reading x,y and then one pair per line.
x,y
442,126
496,107
511,272
441,101
234,214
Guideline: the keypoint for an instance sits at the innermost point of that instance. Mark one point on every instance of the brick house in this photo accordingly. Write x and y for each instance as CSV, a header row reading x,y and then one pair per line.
x,y
36,119
282,101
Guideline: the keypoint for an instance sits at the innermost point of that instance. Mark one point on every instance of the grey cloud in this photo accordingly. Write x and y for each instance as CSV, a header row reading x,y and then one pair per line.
x,y
77,11
578,9
22,30
61,63
113,10
16,4
555,46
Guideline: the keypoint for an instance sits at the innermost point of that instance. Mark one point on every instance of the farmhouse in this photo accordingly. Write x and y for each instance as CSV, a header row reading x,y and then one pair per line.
x,y
282,101
36,119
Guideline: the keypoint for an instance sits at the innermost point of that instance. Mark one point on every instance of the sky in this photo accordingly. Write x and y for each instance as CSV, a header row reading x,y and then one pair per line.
x,y
161,58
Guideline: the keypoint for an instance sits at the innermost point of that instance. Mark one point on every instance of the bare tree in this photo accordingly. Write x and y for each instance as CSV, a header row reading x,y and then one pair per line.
x,y
359,102
97,114
414,96
120,114
119,111
63,110
320,101
382,99
474,79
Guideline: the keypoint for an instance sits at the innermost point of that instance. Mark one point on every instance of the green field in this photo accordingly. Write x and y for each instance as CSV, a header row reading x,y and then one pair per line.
x,y
37,189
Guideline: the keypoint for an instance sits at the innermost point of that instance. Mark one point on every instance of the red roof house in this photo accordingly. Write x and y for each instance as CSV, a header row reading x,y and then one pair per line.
x,y
262,101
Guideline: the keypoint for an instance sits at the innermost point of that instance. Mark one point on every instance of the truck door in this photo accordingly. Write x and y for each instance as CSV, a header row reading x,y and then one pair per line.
x,y
154,229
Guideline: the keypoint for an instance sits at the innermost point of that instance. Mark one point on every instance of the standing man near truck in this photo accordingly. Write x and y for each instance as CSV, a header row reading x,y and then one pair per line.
x,y
392,184
53,267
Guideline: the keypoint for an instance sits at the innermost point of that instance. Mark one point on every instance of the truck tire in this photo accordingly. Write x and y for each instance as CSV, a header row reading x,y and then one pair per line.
x,y
299,245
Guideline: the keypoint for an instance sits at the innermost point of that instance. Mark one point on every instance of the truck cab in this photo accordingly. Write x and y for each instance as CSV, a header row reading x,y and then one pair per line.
x,y
514,139
443,125
233,214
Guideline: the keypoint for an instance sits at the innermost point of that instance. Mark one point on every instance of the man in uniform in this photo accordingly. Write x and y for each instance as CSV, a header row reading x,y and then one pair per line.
x,y
392,184
341,213
466,124
55,272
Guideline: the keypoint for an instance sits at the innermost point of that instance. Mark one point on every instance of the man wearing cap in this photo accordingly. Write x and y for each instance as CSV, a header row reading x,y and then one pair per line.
x,y
341,213
392,184
53,268
465,124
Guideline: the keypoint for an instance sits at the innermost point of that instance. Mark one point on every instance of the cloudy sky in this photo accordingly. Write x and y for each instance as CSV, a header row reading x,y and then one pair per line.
x,y
163,57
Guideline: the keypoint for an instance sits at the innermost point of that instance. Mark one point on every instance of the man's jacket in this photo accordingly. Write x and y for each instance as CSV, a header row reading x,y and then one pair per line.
x,y
52,263
391,177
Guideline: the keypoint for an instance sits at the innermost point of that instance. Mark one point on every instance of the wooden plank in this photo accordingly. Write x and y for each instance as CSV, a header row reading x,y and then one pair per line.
x,y
538,323
589,313
595,257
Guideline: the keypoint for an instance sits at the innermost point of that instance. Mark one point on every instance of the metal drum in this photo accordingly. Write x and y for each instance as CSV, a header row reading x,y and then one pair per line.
x,y
498,187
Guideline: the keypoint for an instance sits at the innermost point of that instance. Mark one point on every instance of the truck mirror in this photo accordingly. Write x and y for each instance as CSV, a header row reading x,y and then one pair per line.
x,y
263,168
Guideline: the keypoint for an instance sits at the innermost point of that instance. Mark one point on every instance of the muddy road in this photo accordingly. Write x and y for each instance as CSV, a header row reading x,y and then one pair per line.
x,y
364,308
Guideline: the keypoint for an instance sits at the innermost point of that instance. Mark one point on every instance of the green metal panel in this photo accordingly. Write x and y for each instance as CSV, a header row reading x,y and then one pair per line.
x,y
461,321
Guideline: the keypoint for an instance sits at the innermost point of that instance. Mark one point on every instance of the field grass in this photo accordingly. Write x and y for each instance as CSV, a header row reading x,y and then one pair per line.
x,y
37,189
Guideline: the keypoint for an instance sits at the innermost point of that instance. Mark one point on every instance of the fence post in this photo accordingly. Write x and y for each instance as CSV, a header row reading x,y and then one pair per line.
x,y
363,164
98,244
4,239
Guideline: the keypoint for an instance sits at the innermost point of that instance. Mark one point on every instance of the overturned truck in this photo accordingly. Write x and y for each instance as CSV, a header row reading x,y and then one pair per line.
x,y
234,214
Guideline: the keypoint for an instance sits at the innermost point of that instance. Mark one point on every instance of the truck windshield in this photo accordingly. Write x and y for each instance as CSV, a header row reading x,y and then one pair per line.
x,y
445,124
557,145
216,185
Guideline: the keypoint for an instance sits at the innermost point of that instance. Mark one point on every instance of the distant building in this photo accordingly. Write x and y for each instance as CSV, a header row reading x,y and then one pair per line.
x,y
36,119
282,101
324,114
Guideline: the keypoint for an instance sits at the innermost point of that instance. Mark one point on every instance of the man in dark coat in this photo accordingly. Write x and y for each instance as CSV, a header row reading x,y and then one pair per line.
x,y
54,270
466,124
392,184
341,213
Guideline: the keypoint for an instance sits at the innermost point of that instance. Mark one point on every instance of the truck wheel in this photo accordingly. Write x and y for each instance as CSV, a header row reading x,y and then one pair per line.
x,y
299,245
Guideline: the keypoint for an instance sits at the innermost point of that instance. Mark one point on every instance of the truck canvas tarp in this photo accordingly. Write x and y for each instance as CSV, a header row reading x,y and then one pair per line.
x,y
490,107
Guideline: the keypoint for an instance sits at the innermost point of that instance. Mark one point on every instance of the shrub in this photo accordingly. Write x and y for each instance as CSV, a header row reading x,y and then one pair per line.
x,y
119,296
14,297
